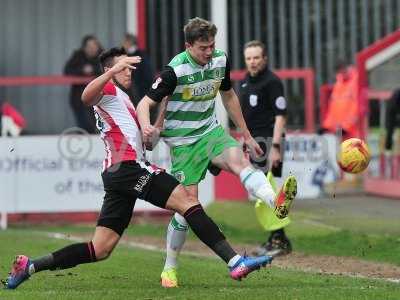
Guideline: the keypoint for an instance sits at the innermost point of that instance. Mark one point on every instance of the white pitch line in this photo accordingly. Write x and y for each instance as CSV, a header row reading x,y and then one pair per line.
x,y
320,224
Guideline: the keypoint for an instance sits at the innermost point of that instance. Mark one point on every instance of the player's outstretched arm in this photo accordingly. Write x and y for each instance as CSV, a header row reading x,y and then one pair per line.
x,y
94,90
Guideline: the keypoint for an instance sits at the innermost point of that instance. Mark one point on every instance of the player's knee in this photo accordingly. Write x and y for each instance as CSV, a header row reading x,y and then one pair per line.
x,y
243,162
180,200
103,254
188,202
103,251
238,163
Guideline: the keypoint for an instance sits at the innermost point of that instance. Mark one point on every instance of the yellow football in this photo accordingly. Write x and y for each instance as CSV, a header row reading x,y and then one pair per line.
x,y
353,156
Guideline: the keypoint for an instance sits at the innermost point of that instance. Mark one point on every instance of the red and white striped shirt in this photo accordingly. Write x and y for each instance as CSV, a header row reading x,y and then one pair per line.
x,y
119,127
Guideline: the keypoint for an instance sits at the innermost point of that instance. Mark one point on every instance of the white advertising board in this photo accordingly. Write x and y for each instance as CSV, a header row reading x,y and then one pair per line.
x,y
312,159
62,173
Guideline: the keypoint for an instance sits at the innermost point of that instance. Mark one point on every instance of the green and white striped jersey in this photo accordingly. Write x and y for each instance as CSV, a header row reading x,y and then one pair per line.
x,y
190,111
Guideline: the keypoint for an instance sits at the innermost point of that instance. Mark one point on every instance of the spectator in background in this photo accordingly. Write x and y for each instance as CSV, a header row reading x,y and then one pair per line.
x,y
83,62
142,78
392,114
343,110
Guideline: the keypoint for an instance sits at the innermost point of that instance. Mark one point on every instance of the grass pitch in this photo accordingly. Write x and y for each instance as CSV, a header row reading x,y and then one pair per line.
x,y
134,274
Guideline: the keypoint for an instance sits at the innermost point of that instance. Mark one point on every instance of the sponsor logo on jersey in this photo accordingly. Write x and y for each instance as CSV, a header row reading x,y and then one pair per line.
x,y
202,90
186,93
156,83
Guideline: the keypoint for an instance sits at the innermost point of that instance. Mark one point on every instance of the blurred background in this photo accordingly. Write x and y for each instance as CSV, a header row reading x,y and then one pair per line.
x,y
38,37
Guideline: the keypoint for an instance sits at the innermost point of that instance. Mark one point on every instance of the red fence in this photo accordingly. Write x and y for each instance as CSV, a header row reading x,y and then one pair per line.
x,y
307,75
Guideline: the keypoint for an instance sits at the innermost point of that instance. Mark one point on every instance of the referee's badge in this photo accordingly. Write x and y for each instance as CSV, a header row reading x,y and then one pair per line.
x,y
253,100
280,102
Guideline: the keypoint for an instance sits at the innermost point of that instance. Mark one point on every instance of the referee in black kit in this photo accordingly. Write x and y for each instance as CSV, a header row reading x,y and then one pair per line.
x,y
264,108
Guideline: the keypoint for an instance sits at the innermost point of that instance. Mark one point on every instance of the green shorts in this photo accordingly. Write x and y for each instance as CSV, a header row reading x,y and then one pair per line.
x,y
190,162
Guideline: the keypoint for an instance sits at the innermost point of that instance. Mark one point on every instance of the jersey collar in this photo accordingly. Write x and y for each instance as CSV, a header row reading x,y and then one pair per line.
x,y
258,76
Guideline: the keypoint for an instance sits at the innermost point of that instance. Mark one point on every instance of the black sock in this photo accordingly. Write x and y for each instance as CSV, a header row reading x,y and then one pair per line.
x,y
43,263
67,257
224,250
208,232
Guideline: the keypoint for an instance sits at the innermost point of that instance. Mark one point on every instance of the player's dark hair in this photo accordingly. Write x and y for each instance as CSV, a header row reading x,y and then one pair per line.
x,y
107,57
256,43
199,29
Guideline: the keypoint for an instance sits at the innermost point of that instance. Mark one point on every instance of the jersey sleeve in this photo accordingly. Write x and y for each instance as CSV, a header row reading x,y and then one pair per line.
x,y
276,97
226,84
109,94
163,86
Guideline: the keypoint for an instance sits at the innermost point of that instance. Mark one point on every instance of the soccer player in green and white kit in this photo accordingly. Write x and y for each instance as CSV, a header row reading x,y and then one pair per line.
x,y
191,82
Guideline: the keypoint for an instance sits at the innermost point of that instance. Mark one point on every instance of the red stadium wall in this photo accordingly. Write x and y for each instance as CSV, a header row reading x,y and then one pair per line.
x,y
228,187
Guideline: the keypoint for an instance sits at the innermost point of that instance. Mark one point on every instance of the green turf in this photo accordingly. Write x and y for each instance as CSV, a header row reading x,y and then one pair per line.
x,y
313,231
363,238
133,274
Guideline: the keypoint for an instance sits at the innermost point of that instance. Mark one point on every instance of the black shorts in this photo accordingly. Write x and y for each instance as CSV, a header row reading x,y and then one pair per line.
x,y
123,184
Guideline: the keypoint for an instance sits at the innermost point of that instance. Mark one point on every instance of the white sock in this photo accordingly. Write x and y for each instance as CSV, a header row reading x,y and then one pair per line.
x,y
31,269
176,236
257,185
233,260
